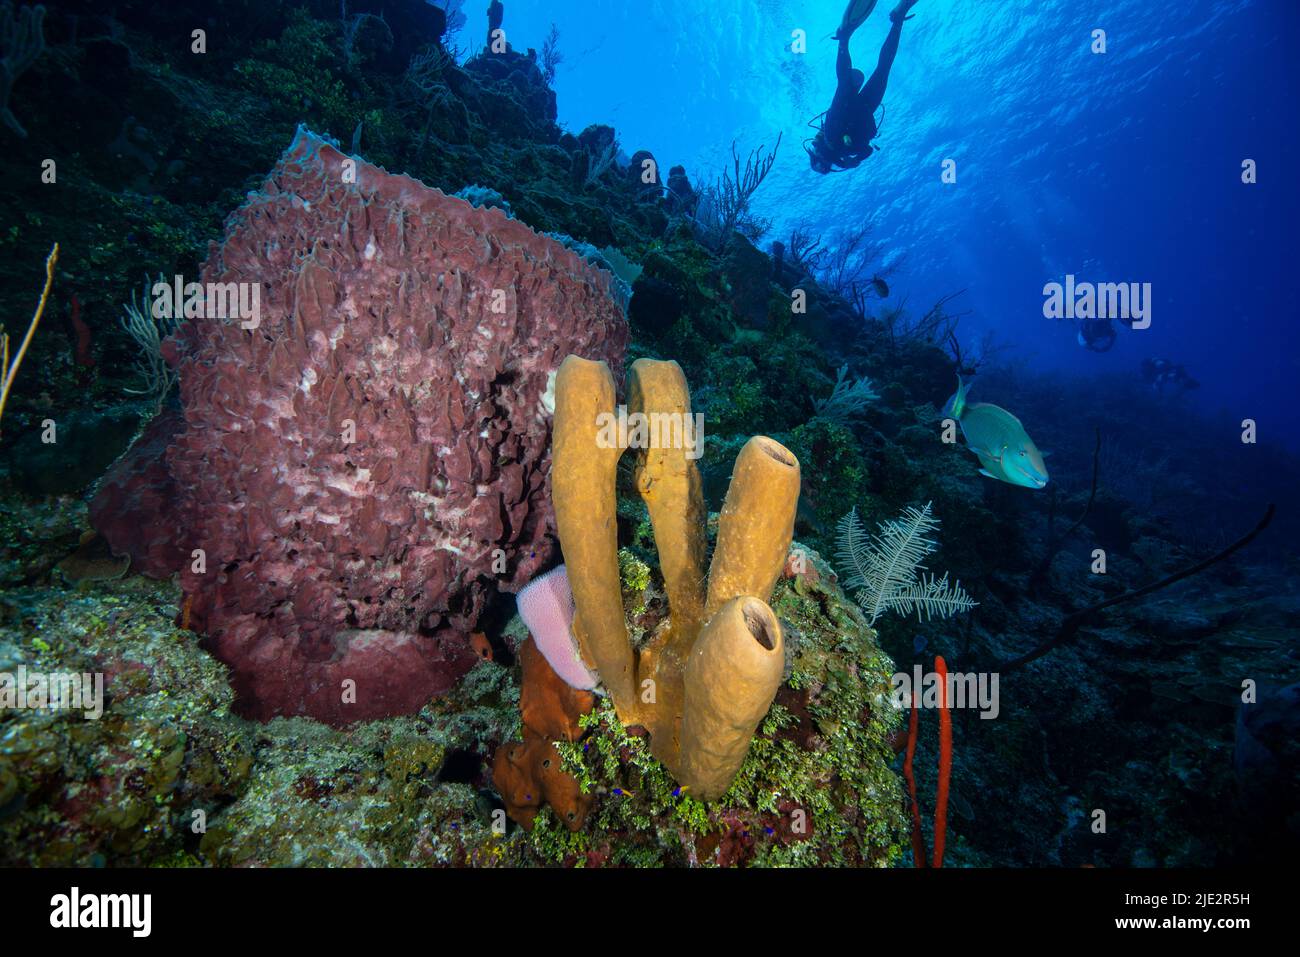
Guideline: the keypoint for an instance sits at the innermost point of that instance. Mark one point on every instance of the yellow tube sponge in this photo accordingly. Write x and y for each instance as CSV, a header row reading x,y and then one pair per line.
x,y
703,683
731,677
670,484
757,523
583,472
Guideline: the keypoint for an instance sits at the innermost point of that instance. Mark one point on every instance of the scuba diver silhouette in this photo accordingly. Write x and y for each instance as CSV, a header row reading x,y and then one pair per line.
x,y
844,139
1166,376
1096,335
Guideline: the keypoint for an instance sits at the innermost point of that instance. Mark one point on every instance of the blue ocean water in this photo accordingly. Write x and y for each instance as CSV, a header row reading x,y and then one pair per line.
x,y
1123,166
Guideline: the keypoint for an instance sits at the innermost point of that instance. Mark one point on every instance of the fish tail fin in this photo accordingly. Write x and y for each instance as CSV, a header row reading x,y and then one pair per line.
x,y
956,405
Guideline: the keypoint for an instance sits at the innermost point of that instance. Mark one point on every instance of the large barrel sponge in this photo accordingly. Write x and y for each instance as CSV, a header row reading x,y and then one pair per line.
x,y
367,466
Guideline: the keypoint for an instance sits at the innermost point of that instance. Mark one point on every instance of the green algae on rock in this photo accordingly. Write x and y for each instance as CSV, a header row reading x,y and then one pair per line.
x,y
168,775
123,788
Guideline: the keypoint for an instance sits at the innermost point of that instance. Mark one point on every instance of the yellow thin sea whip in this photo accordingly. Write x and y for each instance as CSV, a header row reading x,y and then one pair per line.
x,y
10,371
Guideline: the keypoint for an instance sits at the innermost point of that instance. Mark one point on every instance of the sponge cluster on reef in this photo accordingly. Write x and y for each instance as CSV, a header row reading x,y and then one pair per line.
x,y
354,460
816,787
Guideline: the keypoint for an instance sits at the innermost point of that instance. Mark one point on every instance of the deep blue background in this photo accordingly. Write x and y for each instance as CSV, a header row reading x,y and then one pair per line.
x,y
1117,167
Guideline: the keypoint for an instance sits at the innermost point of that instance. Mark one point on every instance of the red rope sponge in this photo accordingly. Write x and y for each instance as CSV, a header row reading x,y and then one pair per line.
x,y
945,761
918,840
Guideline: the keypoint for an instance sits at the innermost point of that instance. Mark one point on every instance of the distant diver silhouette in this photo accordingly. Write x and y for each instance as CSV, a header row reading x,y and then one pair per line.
x,y
844,138
496,17
1096,335
1166,376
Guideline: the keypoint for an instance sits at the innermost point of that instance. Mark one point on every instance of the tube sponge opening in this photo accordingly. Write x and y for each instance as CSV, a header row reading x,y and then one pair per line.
x,y
758,618
731,678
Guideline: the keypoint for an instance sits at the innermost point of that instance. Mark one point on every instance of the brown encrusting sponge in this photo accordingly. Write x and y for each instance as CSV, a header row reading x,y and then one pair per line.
x,y
528,773
356,461
703,683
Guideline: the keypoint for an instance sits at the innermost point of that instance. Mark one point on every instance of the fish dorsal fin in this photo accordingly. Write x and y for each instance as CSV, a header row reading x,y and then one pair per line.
x,y
995,408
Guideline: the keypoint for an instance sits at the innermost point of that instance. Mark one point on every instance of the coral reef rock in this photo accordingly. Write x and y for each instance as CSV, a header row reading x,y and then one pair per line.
x,y
349,466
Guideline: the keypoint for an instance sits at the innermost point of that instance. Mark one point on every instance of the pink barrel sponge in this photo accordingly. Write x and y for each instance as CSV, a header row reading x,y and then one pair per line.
x,y
546,606
361,469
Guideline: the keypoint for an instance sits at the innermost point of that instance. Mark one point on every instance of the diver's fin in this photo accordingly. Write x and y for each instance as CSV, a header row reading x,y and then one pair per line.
x,y
902,12
855,14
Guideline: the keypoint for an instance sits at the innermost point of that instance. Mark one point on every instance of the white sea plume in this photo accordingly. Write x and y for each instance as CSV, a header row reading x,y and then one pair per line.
x,y
884,570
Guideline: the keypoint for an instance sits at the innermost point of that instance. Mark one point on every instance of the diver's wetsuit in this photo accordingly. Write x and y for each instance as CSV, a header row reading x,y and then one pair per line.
x,y
850,123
